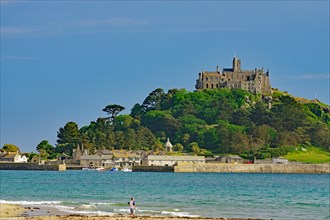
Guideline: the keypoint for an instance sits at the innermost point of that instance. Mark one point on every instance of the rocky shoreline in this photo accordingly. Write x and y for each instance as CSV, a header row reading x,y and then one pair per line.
x,y
16,212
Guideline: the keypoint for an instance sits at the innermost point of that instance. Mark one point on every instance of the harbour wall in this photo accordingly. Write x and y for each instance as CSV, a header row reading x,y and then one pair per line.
x,y
152,169
252,168
32,166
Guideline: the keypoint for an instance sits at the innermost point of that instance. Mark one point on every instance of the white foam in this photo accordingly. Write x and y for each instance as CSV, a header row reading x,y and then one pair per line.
x,y
89,212
63,208
30,202
102,203
147,211
179,214
121,210
86,207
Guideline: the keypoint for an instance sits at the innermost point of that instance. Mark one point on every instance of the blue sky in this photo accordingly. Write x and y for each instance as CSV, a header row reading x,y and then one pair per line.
x,y
65,61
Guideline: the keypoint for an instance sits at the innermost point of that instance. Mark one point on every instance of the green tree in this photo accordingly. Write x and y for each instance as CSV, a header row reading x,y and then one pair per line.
x,y
10,148
33,157
260,115
64,148
120,140
194,147
241,117
161,121
136,111
68,134
288,115
154,100
45,149
113,110
178,147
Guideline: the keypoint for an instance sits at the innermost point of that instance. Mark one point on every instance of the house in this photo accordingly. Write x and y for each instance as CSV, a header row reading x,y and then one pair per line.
x,y
165,160
24,159
97,161
279,161
126,158
230,159
12,157
101,152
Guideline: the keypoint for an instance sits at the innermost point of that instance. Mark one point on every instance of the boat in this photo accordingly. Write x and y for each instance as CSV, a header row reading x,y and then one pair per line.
x,y
126,170
88,169
99,169
93,169
114,169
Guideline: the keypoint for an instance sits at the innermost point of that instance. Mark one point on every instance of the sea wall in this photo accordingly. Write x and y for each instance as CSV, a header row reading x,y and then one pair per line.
x,y
32,166
252,168
152,169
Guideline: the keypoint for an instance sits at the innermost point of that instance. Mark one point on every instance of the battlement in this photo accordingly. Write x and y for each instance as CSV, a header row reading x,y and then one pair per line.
x,y
255,81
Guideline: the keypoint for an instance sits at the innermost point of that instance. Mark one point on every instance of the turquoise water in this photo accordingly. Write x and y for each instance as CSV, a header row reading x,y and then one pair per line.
x,y
276,196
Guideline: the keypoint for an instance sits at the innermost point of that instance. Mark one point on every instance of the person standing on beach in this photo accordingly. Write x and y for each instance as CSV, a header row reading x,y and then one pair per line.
x,y
132,206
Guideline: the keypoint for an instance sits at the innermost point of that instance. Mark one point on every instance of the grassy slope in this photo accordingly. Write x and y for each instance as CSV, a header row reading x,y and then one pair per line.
x,y
312,155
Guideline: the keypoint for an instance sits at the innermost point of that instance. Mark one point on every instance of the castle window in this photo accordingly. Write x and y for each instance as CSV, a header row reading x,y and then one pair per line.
x,y
207,79
212,86
217,85
207,85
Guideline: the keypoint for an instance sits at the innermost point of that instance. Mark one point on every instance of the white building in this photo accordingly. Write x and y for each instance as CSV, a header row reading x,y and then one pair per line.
x,y
168,146
279,161
164,160
13,157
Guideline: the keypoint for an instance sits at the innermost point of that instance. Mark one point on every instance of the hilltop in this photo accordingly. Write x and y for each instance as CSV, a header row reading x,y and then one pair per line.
x,y
205,122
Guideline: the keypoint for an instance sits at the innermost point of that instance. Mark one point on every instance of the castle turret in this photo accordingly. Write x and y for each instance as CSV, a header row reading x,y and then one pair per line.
x,y
236,64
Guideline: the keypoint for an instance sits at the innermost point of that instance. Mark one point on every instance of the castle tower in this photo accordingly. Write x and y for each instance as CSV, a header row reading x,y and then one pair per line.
x,y
168,146
236,64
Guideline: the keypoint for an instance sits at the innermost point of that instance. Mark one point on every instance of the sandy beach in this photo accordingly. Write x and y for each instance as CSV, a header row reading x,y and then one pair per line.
x,y
8,210
16,212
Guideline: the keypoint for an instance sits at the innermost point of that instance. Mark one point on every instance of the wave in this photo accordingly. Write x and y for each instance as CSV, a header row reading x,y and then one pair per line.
x,y
97,208
179,214
30,202
86,212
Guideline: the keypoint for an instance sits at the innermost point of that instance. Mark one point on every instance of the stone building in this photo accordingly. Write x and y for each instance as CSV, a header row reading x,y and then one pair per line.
x,y
230,159
255,81
94,161
165,160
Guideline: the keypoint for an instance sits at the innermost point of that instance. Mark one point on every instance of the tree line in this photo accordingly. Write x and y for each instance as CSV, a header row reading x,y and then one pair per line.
x,y
218,121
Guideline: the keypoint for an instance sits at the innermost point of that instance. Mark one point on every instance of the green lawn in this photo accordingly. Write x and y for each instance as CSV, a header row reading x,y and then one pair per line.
x,y
312,155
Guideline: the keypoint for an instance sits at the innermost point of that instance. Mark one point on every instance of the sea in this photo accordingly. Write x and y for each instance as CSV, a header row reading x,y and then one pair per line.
x,y
242,195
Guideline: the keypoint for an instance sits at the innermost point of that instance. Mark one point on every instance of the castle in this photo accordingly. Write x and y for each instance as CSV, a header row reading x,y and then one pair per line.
x,y
255,81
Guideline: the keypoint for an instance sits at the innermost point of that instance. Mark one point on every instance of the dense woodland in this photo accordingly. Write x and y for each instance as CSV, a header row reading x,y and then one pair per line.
x,y
207,122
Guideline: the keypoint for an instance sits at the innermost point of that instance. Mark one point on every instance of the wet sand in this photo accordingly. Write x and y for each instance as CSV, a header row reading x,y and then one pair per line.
x,y
16,212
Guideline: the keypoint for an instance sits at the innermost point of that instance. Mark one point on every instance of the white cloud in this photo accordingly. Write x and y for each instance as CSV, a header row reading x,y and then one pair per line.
x,y
315,76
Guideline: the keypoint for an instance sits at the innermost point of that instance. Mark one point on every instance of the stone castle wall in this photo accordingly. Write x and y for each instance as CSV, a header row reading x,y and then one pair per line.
x,y
255,81
32,166
252,168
